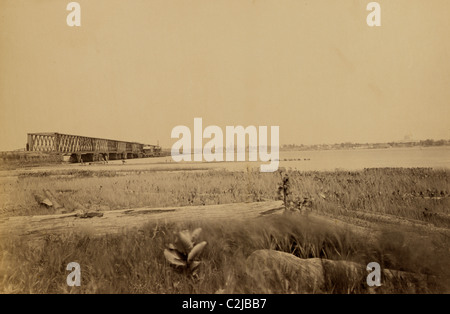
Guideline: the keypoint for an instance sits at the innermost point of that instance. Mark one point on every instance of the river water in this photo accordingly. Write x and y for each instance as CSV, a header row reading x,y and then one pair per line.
x,y
318,160
355,159
348,159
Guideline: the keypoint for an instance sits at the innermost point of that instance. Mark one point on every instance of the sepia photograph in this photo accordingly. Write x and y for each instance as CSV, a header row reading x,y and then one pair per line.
x,y
224,151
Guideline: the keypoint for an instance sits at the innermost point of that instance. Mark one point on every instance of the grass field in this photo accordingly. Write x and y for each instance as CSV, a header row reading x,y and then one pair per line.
x,y
133,262
400,192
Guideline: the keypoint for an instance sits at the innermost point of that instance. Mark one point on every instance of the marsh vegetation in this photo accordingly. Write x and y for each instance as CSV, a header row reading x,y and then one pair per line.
x,y
133,261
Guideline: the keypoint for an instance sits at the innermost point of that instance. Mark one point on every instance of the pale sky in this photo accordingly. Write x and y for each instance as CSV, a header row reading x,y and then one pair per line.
x,y
135,69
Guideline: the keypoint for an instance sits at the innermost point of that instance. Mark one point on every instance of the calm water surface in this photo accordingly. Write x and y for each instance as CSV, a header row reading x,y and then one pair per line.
x,y
353,159
435,157
322,160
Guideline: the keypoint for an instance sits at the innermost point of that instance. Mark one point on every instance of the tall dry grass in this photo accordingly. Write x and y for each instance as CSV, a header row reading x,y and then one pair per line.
x,y
133,262
400,192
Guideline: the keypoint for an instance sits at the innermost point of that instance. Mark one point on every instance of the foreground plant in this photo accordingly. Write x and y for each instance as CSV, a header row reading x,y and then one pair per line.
x,y
184,253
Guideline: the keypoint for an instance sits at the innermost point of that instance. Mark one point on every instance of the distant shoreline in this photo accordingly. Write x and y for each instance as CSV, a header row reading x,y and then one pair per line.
x,y
349,146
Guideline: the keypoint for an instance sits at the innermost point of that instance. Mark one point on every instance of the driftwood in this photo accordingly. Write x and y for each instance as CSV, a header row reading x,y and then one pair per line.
x,y
89,214
315,275
114,221
42,200
52,198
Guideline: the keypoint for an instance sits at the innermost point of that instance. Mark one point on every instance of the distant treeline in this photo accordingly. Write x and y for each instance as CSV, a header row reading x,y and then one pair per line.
x,y
349,145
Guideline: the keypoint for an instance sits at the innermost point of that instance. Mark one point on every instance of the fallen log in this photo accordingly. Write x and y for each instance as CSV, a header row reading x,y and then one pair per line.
x,y
315,275
53,200
42,200
115,221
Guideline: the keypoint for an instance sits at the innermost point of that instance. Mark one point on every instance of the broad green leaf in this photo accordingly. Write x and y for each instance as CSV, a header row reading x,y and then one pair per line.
x,y
194,265
184,243
195,234
196,251
174,259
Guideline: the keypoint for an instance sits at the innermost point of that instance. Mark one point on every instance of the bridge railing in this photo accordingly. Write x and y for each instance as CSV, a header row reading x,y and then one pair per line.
x,y
66,143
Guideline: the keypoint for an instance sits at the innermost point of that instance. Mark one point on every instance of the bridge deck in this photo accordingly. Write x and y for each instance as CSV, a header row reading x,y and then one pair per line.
x,y
90,148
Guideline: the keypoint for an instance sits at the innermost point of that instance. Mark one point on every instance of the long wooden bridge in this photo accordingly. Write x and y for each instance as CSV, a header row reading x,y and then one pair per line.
x,y
82,148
